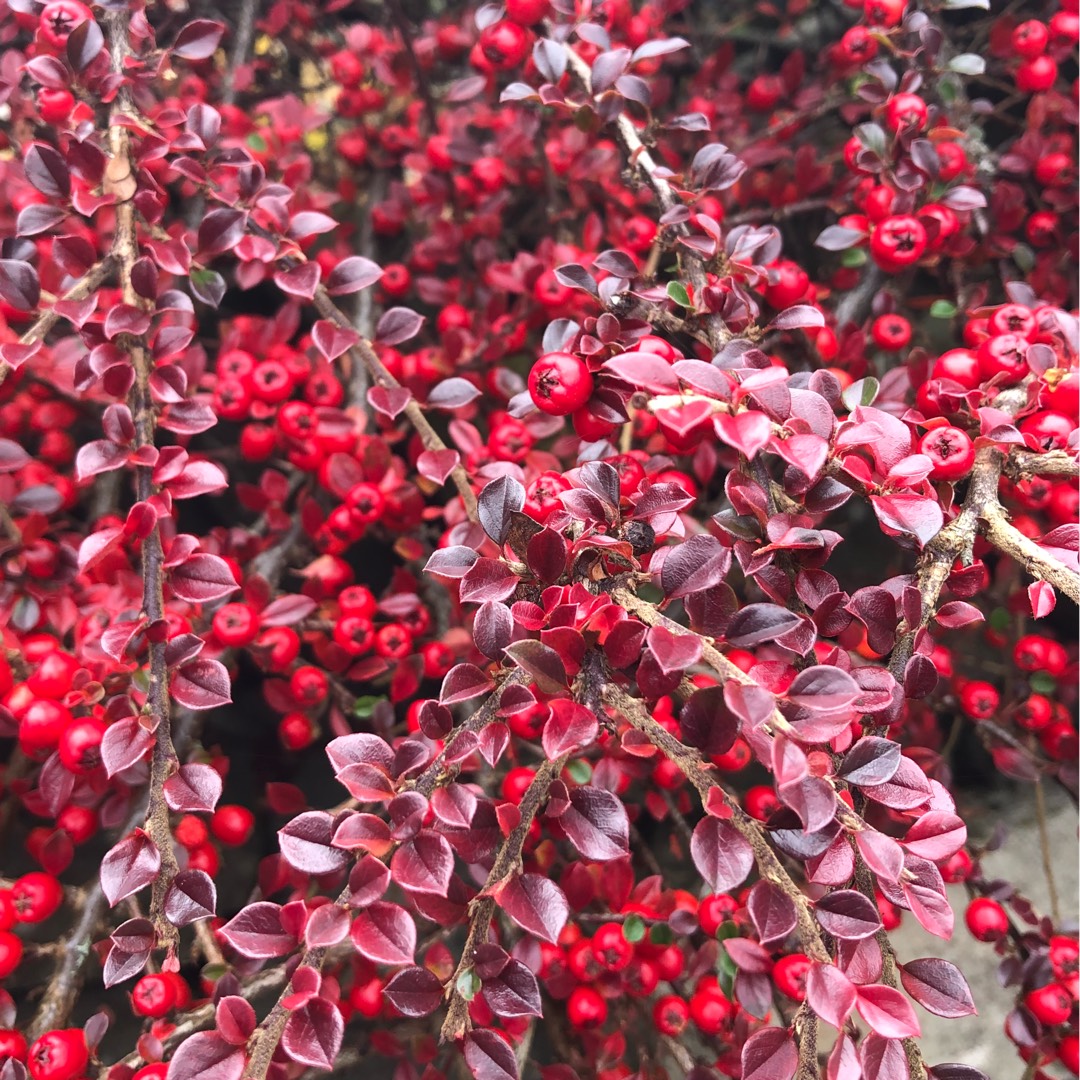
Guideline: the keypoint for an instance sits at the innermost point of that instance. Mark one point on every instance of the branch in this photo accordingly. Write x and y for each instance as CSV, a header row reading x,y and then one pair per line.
x,y
1035,560
639,158
363,353
245,24
956,538
267,1035
88,283
120,181
806,1032
507,862
1024,464
692,766
728,671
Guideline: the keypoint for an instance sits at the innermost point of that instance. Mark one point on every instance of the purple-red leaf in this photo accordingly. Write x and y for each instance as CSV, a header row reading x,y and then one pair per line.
x,y
887,1012
206,1056
306,844
848,915
129,866
256,932
938,986
596,823
536,904
313,1034
489,1056
721,854
385,933
414,991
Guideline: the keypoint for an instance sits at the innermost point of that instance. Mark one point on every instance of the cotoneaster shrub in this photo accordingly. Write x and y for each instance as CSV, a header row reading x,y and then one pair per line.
x,y
512,520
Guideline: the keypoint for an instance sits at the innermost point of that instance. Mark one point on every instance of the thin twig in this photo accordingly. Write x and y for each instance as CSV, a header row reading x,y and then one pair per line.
x,y
1044,845
245,25
87,284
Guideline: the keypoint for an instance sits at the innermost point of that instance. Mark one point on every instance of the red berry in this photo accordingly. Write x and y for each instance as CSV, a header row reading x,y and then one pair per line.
x,y
59,1055
153,995
986,919
586,1008
951,451
12,1045
1050,1004
611,948
905,111
57,20
1036,74
37,895
714,910
761,801
504,44
884,12
891,332
1069,1053
671,1014
80,745
789,973
979,700
898,242
232,825
11,950
55,104
1030,38
709,1009
560,384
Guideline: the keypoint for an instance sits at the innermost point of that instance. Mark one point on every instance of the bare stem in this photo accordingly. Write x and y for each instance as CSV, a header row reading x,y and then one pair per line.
x,y
1044,845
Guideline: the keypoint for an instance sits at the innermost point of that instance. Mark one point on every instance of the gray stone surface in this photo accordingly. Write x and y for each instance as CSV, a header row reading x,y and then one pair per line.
x,y
980,1040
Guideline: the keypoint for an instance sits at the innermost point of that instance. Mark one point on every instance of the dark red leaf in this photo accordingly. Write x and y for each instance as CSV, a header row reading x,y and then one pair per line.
x,y
536,904
938,986
489,1056
414,991
596,823
721,854
385,933
129,866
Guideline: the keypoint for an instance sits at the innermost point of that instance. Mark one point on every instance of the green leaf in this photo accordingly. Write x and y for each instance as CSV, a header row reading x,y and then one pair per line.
x,y
873,137
633,929
727,929
677,291
257,143
661,934
1000,620
1024,257
1042,682
956,5
862,392
468,984
365,706
853,257
942,309
967,64
580,771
